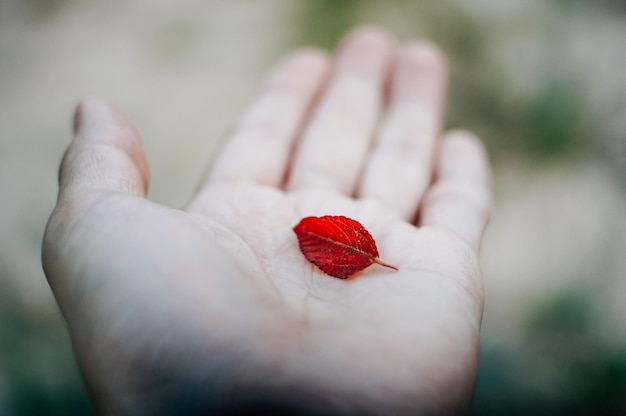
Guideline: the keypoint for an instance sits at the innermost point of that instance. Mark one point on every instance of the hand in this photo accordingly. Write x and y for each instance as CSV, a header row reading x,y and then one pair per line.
x,y
213,308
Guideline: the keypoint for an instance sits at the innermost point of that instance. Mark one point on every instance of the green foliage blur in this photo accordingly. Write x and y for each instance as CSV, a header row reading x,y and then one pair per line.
x,y
36,357
549,123
561,366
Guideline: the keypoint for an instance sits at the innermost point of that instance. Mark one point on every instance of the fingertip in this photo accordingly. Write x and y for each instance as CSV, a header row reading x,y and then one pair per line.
x,y
464,137
369,35
306,58
85,108
462,153
298,69
364,45
100,119
425,52
420,75
423,55
106,151
101,122
309,56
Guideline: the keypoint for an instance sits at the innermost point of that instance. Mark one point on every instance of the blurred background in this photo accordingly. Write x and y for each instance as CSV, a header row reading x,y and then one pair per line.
x,y
543,82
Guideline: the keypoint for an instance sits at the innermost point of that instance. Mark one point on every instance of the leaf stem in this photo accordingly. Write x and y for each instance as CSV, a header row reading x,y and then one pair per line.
x,y
382,263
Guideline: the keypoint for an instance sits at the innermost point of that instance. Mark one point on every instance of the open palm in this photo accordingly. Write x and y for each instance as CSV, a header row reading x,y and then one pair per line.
x,y
214,309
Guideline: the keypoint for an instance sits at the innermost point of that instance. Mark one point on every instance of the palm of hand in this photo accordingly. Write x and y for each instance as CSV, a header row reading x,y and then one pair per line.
x,y
240,268
219,293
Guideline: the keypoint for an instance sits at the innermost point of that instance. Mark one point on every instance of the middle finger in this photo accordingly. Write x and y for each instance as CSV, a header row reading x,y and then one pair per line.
x,y
334,146
400,165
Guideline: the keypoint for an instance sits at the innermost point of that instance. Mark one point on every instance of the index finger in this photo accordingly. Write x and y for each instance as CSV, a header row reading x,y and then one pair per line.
x,y
259,149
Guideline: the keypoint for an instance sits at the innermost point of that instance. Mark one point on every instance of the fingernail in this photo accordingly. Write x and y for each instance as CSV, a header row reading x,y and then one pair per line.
x,y
77,120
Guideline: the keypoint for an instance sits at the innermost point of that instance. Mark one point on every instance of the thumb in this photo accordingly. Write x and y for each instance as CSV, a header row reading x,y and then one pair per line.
x,y
106,154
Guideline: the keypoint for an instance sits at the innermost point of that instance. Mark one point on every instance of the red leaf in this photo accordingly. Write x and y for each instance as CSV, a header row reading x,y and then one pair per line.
x,y
337,245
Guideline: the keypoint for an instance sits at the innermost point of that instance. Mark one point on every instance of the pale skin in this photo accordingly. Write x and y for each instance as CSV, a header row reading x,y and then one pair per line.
x,y
213,309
